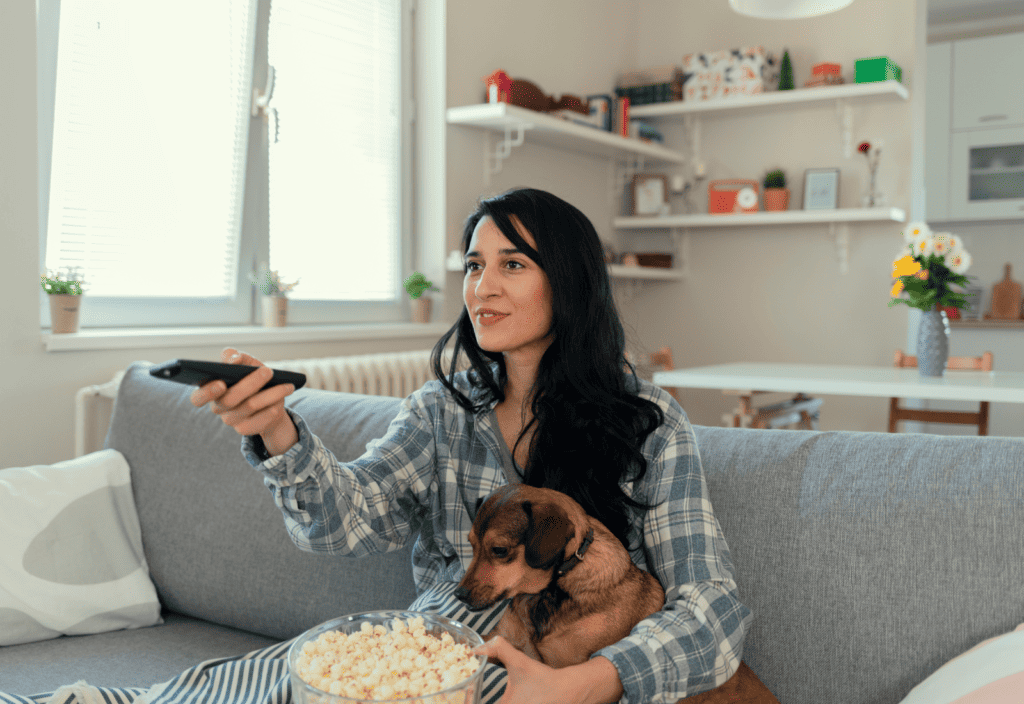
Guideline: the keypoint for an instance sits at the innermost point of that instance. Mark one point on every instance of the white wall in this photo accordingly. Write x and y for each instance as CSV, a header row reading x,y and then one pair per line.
x,y
776,294
771,295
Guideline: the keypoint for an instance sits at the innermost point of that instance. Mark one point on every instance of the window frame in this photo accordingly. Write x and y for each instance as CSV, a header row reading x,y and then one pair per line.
x,y
243,309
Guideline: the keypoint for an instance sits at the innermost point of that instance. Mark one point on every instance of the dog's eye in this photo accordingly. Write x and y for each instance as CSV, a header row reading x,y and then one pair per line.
x,y
499,551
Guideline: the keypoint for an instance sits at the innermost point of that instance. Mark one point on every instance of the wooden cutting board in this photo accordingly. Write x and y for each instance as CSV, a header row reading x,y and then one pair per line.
x,y
1006,297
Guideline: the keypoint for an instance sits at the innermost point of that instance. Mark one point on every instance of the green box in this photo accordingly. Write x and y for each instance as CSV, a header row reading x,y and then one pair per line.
x,y
878,68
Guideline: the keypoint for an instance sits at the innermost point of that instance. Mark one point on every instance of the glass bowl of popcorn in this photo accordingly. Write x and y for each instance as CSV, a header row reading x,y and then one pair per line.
x,y
387,656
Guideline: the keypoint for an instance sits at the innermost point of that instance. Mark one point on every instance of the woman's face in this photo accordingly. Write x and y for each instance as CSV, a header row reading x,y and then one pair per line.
x,y
507,294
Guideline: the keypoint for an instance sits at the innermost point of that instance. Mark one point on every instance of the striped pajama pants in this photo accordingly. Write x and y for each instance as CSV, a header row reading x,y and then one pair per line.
x,y
261,677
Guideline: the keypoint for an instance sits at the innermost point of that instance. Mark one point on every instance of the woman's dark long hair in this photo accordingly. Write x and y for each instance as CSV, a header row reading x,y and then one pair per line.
x,y
589,427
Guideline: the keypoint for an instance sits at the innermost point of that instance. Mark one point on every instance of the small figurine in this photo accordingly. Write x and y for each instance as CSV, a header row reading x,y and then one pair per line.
x,y
524,94
499,87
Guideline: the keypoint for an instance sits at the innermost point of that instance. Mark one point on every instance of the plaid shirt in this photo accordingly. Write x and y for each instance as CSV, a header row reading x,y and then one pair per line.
x,y
437,459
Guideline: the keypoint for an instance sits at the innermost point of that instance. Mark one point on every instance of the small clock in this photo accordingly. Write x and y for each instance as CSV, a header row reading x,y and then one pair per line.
x,y
650,194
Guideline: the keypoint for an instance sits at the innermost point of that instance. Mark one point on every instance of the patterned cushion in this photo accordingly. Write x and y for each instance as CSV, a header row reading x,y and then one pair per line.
x,y
991,672
71,560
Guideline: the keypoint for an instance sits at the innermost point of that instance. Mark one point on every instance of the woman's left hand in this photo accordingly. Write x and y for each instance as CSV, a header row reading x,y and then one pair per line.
x,y
533,682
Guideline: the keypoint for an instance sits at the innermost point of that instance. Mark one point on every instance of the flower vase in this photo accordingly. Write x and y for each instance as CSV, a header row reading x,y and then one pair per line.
x,y
933,343
873,199
275,311
64,313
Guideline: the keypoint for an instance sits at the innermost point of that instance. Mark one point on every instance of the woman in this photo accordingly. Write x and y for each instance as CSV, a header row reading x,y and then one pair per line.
x,y
547,401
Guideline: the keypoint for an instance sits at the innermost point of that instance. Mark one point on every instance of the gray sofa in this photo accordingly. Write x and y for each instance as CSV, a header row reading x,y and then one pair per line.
x,y
868,559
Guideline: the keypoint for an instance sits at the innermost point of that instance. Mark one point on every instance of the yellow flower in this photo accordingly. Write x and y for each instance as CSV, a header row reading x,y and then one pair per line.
x,y
905,266
896,289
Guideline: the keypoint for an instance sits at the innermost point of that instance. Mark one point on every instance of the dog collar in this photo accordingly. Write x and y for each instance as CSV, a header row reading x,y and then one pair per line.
x,y
577,557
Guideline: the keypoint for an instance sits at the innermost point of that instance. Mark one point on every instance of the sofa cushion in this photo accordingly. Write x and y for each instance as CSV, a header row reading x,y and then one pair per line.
x,y
138,658
216,544
868,559
71,559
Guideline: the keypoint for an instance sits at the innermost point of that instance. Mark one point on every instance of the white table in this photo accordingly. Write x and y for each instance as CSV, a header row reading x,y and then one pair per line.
x,y
844,380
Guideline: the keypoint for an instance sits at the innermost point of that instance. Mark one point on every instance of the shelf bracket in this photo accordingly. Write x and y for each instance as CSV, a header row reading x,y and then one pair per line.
x,y
494,159
681,245
633,165
840,233
844,113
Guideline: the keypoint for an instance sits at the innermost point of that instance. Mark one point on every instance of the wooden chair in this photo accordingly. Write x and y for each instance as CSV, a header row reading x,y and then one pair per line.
x,y
898,413
660,360
801,411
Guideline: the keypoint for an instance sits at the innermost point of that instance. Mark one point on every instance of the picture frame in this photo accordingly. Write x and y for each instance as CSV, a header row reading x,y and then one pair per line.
x,y
821,189
650,194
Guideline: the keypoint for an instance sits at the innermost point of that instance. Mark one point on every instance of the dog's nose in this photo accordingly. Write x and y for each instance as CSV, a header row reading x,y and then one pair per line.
x,y
462,594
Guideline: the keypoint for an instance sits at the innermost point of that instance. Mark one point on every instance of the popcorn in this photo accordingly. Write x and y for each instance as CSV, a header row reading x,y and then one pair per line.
x,y
378,664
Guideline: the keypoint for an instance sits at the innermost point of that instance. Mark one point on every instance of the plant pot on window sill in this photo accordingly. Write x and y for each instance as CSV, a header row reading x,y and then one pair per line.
x,y
421,308
64,309
275,311
776,199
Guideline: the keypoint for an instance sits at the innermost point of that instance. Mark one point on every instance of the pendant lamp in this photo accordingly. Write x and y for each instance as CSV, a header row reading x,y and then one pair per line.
x,y
786,9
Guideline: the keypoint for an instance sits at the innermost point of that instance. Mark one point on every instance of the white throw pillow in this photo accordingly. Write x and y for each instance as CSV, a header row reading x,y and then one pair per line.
x,y
71,559
992,672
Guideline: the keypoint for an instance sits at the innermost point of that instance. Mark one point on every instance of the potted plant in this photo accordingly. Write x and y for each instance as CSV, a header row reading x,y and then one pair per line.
x,y
64,290
275,297
776,195
935,262
416,285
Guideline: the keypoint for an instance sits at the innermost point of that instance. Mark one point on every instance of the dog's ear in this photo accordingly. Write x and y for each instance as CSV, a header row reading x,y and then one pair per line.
x,y
548,531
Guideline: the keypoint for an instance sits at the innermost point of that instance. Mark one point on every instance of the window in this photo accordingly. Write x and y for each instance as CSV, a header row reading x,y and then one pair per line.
x,y
168,189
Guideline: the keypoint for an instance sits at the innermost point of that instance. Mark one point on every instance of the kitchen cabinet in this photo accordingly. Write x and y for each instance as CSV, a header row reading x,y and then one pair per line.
x,y
988,86
974,130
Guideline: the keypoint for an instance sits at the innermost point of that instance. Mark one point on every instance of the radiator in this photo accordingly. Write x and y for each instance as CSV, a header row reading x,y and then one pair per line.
x,y
382,374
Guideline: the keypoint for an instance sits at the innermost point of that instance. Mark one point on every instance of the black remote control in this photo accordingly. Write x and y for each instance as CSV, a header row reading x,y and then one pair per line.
x,y
197,373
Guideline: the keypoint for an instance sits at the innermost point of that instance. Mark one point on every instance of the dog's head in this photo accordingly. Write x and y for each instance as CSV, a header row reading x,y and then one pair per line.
x,y
519,537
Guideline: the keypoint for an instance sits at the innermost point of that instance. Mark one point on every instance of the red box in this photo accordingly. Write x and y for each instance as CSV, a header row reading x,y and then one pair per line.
x,y
825,69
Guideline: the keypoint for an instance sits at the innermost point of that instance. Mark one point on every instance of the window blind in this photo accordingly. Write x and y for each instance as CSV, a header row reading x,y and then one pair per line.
x,y
335,148
149,148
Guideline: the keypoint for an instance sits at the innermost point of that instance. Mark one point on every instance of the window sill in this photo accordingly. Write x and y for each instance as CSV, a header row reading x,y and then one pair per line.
x,y
140,338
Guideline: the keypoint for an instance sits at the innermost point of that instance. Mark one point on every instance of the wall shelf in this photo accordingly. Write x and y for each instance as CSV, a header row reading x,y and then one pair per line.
x,y
796,98
648,273
618,271
518,124
988,324
786,217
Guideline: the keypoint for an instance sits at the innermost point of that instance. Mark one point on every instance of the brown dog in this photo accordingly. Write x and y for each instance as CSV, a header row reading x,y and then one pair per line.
x,y
574,589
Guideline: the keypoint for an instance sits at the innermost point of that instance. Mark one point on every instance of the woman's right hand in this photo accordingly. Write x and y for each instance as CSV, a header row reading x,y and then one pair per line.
x,y
247,409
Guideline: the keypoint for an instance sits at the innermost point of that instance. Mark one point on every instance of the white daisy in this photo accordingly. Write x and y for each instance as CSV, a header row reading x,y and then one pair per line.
x,y
923,245
915,229
941,243
959,262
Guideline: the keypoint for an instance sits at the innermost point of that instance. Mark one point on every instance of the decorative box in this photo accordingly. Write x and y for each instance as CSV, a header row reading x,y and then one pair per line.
x,y
826,69
724,74
878,68
654,259
652,85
